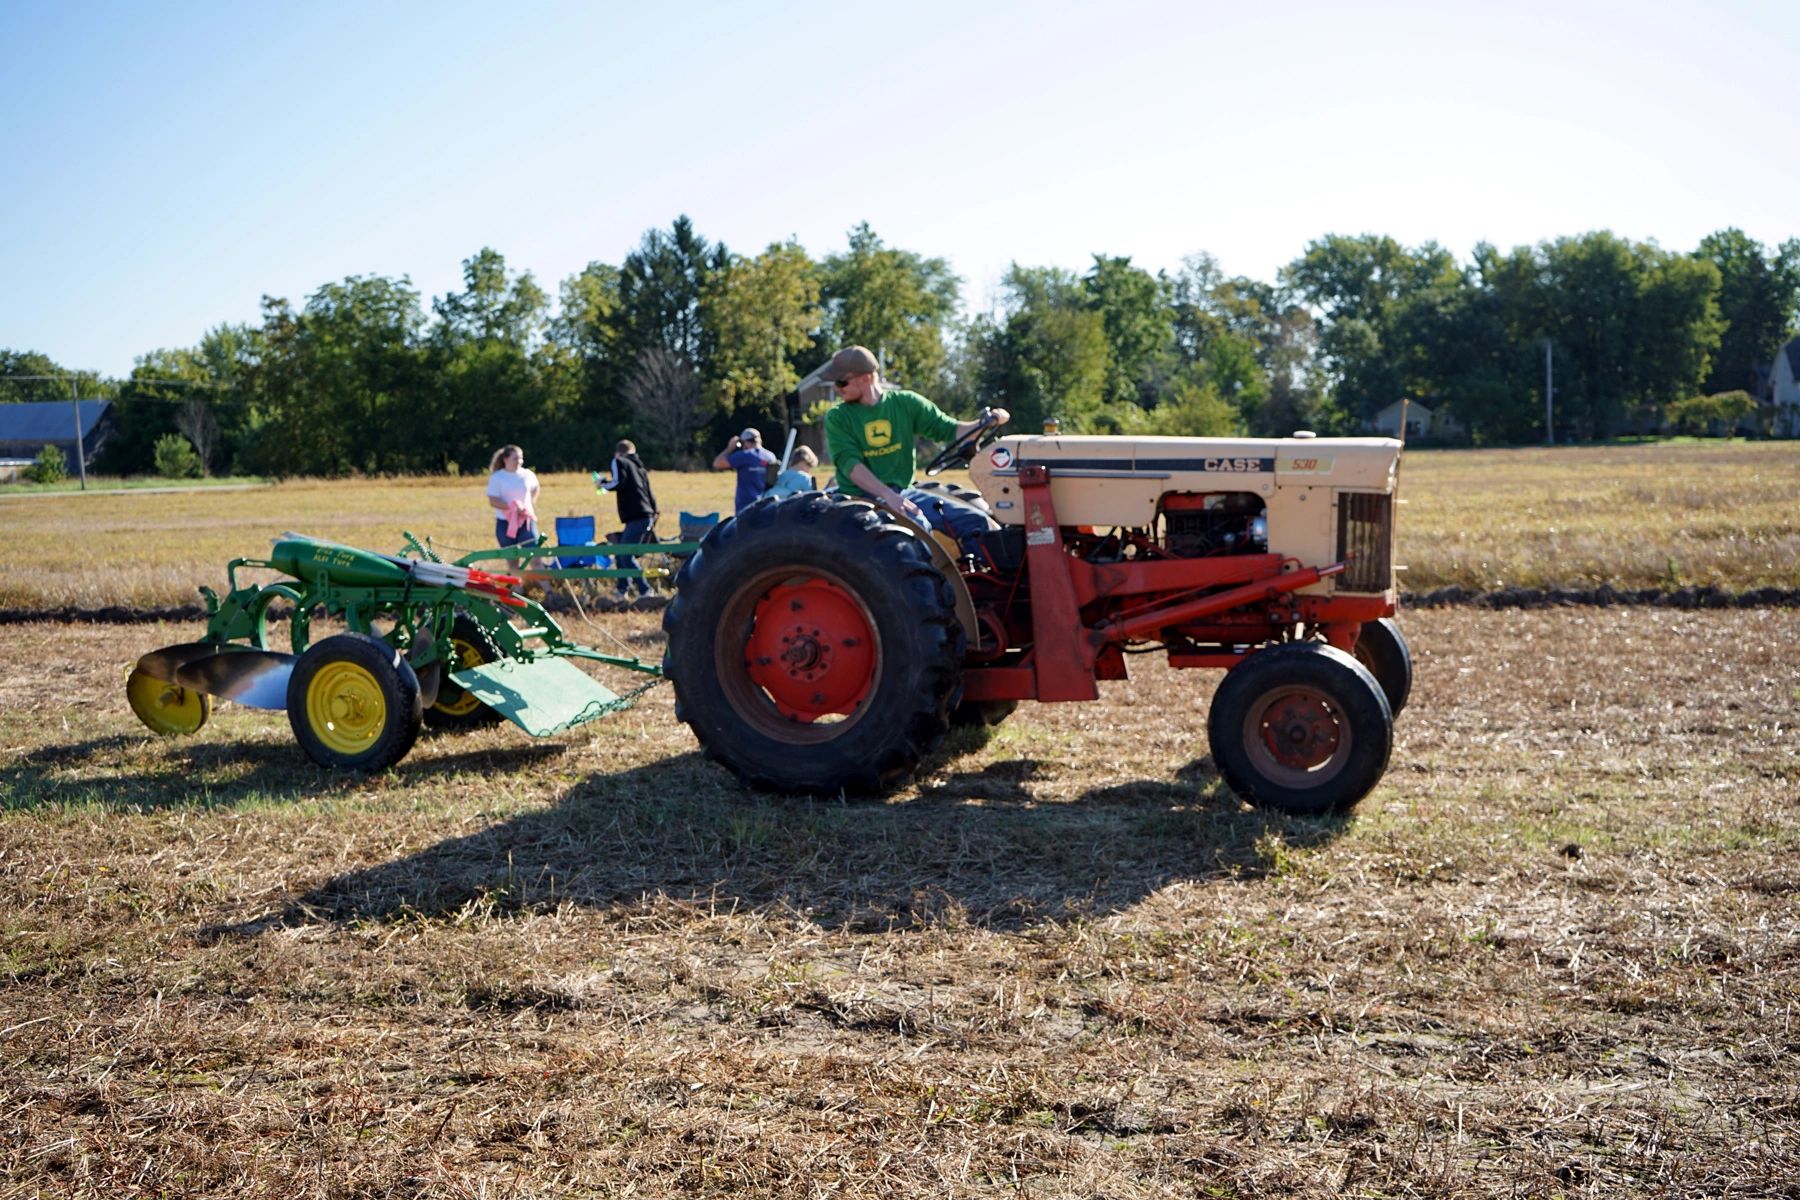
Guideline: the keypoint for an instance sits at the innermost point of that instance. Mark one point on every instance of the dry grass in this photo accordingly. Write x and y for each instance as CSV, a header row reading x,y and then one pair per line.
x,y
1635,517
1722,514
1555,953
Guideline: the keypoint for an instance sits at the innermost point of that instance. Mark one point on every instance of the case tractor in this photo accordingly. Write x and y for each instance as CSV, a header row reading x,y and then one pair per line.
x,y
821,645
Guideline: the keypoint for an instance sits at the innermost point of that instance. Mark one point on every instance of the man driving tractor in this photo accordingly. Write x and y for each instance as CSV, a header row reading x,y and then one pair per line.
x,y
872,435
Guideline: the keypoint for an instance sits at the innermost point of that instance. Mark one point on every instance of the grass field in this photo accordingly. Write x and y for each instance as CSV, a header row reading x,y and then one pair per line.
x,y
1667,516
1556,952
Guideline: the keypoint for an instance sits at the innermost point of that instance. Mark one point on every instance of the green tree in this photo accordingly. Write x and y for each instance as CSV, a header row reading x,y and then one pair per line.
x,y
1721,412
1358,286
1194,408
897,303
345,382
50,466
1052,350
1759,301
1138,323
487,377
1256,342
659,292
177,458
760,314
15,386
583,362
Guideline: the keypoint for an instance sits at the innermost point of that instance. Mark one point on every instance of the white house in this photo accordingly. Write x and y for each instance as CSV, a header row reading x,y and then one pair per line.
x,y
1420,421
1784,389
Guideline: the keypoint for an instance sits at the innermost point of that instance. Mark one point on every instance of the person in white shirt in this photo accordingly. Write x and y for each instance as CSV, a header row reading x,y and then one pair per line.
x,y
512,493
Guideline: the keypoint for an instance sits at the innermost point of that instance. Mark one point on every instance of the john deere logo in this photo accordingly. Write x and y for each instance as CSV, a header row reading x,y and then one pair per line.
x,y
878,434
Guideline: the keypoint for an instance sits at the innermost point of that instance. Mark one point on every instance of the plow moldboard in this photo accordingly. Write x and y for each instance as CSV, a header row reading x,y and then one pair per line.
x,y
542,697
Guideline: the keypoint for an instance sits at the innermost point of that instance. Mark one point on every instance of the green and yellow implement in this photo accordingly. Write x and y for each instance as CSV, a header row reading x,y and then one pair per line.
x,y
425,641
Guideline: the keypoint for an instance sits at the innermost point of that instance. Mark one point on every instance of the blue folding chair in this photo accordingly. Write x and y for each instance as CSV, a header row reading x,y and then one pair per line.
x,y
695,528
578,531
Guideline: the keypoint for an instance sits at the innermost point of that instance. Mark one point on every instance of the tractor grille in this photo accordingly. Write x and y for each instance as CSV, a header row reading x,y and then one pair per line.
x,y
1366,541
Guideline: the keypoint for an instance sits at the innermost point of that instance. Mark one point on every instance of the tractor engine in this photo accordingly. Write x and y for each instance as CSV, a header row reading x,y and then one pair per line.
x,y
1203,524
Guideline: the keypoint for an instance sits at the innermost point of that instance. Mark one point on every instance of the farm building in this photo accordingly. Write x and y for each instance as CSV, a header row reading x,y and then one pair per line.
x,y
1784,390
25,429
1421,422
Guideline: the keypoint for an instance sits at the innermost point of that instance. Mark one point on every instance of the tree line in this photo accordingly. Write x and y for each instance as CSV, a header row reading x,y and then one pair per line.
x,y
686,340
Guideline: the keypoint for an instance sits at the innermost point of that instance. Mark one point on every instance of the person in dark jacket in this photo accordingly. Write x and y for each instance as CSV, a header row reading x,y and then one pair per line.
x,y
629,483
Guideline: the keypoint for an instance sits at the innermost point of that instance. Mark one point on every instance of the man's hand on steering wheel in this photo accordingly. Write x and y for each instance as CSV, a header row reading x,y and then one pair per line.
x,y
959,452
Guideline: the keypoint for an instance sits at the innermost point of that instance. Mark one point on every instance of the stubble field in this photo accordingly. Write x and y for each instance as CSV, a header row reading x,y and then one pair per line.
x,y
1556,952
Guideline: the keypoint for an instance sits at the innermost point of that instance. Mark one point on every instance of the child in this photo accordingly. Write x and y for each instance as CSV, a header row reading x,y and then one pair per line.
x,y
796,478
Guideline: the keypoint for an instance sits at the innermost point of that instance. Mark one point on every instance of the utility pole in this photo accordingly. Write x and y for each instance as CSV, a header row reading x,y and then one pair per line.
x,y
1549,391
80,450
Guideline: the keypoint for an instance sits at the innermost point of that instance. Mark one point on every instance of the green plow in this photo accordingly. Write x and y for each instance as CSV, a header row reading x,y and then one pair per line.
x,y
450,644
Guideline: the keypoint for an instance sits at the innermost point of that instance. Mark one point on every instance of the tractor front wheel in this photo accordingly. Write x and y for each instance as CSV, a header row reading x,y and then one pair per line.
x,y
1381,647
1302,727
353,701
814,648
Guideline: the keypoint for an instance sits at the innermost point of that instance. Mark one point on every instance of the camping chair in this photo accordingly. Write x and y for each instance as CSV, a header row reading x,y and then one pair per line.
x,y
695,528
576,531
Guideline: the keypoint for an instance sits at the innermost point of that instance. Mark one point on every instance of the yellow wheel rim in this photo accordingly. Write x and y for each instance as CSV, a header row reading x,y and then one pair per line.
x,y
463,654
345,708
166,707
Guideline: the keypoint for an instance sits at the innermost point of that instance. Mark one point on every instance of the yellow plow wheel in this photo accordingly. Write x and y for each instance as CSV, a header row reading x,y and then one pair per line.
x,y
167,708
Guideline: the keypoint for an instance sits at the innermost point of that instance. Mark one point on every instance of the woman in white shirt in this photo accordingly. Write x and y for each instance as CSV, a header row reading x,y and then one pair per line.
x,y
512,492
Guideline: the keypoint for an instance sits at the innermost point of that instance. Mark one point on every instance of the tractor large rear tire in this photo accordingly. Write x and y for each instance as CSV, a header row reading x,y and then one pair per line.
x,y
1381,647
814,648
1300,727
353,702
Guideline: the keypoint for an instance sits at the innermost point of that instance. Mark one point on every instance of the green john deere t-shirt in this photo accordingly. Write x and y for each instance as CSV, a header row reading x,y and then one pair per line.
x,y
881,435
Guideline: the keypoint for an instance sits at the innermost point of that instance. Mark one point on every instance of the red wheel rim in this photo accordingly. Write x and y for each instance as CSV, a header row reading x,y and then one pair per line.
x,y
812,649
1300,731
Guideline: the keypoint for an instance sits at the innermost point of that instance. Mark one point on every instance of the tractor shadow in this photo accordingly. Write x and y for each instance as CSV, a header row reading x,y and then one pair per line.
x,y
980,853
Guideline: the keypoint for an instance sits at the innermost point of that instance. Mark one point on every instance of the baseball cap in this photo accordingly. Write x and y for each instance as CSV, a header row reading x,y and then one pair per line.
x,y
851,360
750,435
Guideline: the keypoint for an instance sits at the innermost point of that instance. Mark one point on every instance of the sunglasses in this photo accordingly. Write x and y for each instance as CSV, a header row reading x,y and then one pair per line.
x,y
845,382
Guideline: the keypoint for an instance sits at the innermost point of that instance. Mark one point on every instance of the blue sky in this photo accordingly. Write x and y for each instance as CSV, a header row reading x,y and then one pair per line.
x,y
162,167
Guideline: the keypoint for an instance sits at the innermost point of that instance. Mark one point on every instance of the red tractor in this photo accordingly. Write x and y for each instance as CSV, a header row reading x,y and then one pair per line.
x,y
820,645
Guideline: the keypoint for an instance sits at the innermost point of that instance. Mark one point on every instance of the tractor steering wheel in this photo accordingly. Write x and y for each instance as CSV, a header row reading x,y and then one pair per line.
x,y
963,450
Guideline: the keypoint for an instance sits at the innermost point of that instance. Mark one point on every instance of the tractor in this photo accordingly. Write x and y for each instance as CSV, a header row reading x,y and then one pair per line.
x,y
821,645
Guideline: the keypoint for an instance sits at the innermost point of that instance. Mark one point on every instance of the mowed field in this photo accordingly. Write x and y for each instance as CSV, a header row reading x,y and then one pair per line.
x,y
1555,952
1723,515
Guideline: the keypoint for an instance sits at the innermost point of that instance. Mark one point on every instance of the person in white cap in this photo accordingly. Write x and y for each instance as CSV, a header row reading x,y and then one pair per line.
x,y
747,457
872,435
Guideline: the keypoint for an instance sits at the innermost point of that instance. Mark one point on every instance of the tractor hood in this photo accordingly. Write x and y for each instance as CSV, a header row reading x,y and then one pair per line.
x,y
1118,481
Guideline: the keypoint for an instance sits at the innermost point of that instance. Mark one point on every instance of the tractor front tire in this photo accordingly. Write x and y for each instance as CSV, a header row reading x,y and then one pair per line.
x,y
1302,728
455,709
1381,647
814,648
353,702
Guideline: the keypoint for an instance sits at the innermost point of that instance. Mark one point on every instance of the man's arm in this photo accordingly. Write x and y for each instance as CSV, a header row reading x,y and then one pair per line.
x,y
612,484
882,494
996,416
723,461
